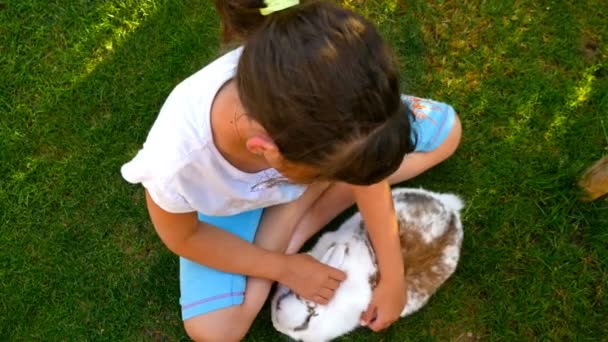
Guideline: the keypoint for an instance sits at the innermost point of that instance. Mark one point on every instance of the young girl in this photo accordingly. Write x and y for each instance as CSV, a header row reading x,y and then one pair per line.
x,y
256,152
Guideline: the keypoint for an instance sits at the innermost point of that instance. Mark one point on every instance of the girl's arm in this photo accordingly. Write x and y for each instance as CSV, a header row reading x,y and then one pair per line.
x,y
376,206
208,245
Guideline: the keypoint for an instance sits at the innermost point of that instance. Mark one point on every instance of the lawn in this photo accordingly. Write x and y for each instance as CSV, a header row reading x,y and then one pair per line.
x,y
82,81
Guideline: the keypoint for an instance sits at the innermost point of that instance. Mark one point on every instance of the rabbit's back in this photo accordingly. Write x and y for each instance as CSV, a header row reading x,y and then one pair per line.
x,y
430,236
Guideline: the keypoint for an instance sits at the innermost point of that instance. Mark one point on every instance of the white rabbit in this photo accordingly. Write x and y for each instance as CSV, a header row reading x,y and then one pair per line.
x,y
430,234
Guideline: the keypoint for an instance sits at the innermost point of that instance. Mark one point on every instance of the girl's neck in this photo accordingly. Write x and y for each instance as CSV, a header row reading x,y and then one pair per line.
x,y
230,128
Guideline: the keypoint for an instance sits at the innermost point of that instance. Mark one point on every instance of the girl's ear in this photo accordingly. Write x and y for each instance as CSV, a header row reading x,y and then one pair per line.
x,y
258,144
261,145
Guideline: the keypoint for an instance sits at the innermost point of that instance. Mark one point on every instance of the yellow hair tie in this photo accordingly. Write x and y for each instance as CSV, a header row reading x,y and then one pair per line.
x,y
277,5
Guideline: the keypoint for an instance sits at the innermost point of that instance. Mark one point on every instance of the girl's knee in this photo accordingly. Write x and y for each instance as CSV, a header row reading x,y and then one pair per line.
x,y
227,332
419,162
225,325
450,144
453,139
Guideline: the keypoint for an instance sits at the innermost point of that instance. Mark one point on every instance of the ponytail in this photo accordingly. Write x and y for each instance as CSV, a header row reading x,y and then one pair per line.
x,y
241,18
373,156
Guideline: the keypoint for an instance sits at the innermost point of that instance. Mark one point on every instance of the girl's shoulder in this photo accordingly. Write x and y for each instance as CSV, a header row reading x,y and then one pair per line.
x,y
184,118
225,64
182,126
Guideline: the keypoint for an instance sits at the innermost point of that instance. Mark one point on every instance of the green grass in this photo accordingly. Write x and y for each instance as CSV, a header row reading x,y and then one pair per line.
x,y
82,82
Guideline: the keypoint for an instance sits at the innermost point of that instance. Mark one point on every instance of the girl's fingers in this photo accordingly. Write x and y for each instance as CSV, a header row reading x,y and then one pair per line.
x,y
368,315
326,293
320,300
332,284
337,275
379,324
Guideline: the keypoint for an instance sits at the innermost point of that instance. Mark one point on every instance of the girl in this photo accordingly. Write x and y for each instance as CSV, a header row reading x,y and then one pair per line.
x,y
253,154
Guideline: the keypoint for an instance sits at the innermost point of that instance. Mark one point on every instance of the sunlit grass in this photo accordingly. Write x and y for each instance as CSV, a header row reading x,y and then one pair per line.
x,y
579,95
117,22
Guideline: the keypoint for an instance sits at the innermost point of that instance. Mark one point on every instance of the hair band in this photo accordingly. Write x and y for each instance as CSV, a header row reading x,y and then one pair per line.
x,y
277,5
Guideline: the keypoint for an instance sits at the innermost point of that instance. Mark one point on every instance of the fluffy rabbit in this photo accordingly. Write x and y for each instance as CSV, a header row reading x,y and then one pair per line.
x,y
431,236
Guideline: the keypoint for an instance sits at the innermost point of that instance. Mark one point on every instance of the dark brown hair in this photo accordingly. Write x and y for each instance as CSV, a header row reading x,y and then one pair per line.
x,y
323,83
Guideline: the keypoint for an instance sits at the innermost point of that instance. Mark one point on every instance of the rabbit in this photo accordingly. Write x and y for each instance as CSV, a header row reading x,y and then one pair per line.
x,y
431,235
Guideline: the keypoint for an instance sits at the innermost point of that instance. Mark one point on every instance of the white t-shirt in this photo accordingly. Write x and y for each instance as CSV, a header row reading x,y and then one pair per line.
x,y
180,165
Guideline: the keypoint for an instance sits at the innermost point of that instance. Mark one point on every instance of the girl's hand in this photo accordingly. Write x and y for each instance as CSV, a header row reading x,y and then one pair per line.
x,y
310,279
388,300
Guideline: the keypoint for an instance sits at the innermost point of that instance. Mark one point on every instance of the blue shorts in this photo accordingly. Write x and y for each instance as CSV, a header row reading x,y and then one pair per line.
x,y
204,289
432,124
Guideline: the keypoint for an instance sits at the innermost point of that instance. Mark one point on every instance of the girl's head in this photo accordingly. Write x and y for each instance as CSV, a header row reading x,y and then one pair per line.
x,y
324,85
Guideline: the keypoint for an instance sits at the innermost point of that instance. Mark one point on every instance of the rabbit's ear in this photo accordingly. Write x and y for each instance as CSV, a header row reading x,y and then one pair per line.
x,y
334,256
